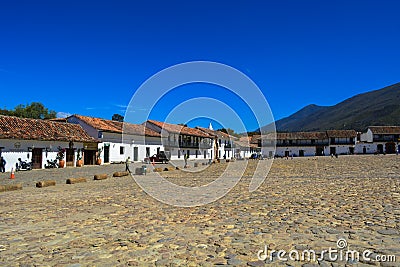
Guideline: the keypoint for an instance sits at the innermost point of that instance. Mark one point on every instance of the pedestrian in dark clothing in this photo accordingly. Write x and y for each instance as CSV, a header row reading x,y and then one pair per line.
x,y
127,165
2,164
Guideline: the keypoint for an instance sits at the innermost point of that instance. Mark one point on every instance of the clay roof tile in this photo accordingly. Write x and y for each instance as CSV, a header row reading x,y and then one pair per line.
x,y
46,130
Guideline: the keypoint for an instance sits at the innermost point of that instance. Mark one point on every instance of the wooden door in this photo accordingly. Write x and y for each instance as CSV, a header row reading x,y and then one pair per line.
x,y
37,154
379,148
390,148
320,150
135,154
69,157
89,157
106,154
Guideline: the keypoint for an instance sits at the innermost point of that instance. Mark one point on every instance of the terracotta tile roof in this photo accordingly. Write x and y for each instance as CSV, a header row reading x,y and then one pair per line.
x,y
249,141
139,129
117,127
242,143
45,130
174,128
244,139
59,119
101,124
217,133
268,136
254,138
385,129
302,136
341,133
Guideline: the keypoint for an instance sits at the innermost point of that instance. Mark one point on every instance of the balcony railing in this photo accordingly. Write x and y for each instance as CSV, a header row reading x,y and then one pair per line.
x,y
386,140
200,145
230,146
302,144
342,143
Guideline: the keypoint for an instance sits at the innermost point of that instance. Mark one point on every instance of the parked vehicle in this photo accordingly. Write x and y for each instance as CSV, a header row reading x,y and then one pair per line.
x,y
256,156
23,165
51,164
161,157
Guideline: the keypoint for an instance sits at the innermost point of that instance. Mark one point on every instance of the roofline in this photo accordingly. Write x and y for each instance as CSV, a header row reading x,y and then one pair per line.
x,y
166,123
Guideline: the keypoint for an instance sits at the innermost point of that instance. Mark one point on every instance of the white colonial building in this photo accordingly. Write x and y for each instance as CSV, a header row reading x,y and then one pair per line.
x,y
179,140
118,140
379,140
245,146
301,144
224,145
342,142
36,141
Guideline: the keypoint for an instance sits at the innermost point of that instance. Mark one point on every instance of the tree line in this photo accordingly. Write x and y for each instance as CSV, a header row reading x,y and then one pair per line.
x,y
35,110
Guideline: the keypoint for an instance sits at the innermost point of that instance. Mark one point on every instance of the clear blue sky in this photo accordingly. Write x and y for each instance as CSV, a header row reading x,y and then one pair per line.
x,y
89,57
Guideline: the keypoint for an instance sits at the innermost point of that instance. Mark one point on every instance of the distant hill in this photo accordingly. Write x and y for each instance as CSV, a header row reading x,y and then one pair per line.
x,y
379,107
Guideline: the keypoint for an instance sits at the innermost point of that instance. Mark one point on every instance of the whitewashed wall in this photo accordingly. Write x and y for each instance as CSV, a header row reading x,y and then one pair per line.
x,y
244,152
267,152
369,135
308,151
174,153
371,148
229,152
341,149
129,142
11,152
222,150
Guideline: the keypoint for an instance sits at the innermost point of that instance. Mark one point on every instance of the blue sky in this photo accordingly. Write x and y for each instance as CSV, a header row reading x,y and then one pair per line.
x,y
89,57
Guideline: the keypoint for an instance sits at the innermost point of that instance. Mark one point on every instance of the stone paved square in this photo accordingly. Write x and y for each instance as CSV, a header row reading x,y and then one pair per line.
x,y
304,203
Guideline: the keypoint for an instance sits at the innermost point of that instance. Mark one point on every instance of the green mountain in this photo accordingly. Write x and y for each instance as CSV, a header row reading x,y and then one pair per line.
x,y
379,107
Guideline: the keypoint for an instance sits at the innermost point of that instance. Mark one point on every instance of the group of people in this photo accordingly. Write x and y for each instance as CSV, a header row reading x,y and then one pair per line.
x,y
2,164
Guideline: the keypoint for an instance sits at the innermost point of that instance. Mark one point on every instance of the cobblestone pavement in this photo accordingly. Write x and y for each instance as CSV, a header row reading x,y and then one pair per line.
x,y
304,203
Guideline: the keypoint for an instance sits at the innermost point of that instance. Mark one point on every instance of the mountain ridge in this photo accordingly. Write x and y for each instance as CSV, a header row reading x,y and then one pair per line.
x,y
378,107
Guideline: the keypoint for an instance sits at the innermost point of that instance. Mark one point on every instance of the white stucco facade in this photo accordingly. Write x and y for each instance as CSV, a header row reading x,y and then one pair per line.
x,y
117,148
12,149
381,140
225,147
341,149
295,151
243,152
365,148
176,145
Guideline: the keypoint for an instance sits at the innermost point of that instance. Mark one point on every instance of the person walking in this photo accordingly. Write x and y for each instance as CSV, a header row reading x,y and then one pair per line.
x,y
185,157
2,164
127,165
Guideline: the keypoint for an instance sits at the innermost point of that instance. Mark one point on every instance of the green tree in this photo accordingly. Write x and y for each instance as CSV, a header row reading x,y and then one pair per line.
x,y
117,117
35,110
4,112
